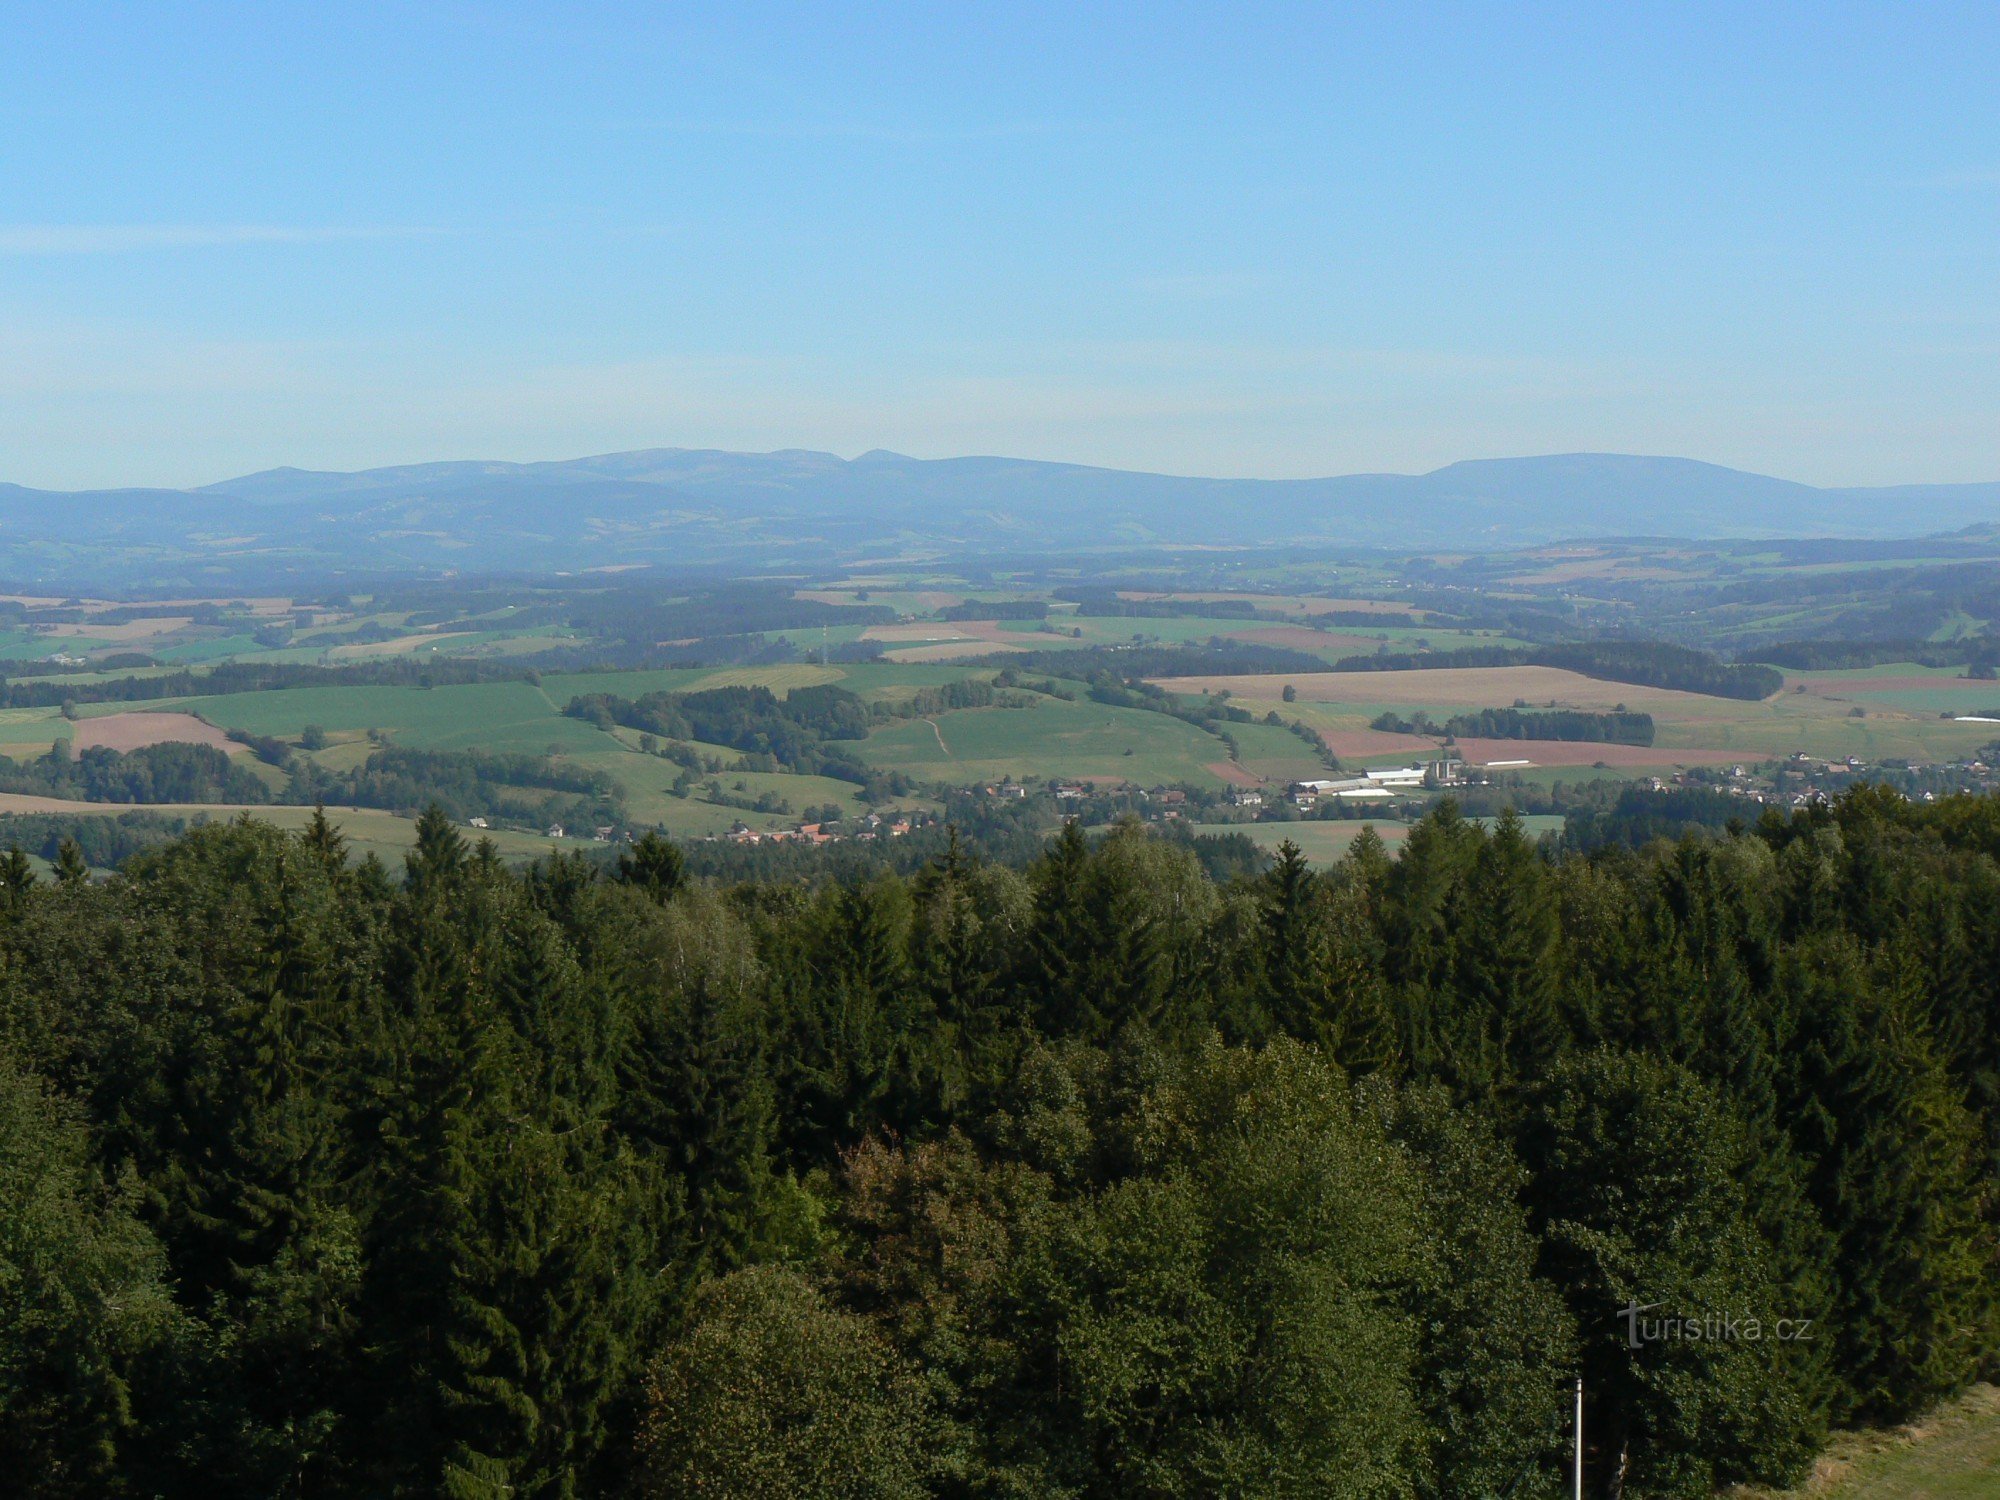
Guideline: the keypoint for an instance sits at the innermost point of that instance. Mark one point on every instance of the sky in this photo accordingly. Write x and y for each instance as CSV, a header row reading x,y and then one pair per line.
x,y
1231,239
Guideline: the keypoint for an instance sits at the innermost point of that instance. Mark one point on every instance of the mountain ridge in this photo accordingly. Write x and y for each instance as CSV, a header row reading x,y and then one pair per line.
x,y
710,506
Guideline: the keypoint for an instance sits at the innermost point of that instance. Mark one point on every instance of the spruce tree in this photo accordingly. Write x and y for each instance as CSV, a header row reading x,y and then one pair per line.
x,y
71,869
17,878
654,865
1893,1170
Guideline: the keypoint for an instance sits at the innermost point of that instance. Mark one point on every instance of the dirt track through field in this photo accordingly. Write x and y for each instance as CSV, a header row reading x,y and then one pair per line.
x,y
1235,775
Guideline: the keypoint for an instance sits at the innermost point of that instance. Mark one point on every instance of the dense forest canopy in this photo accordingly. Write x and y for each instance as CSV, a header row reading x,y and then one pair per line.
x,y
1098,1177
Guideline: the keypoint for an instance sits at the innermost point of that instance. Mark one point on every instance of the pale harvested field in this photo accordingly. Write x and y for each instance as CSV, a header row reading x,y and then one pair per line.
x,y
920,631
1303,604
1468,687
944,632
949,651
402,645
124,630
1368,744
135,731
1579,753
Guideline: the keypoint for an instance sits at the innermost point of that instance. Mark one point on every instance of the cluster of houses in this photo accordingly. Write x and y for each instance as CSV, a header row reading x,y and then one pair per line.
x,y
603,833
872,826
1801,779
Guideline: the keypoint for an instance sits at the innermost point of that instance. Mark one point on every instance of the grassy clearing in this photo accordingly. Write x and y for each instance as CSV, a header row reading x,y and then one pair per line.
x,y
883,682
1322,843
1052,738
28,732
1275,754
1327,841
1951,1454
368,830
647,781
781,679
500,716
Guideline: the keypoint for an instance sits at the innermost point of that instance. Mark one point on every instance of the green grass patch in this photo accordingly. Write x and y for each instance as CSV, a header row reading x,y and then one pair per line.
x,y
1951,1454
1274,753
1051,739
502,716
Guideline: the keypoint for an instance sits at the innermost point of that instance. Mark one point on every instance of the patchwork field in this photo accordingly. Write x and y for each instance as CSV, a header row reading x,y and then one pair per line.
x,y
1875,716
28,732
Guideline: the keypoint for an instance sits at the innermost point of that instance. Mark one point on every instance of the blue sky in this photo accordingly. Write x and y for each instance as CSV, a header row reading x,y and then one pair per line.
x,y
1228,239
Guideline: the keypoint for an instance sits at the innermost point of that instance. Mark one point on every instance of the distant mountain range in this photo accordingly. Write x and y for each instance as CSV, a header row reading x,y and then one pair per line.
x,y
677,507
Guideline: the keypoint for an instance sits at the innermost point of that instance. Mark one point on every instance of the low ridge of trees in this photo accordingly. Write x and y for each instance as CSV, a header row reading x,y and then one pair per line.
x,y
1620,728
1644,663
153,773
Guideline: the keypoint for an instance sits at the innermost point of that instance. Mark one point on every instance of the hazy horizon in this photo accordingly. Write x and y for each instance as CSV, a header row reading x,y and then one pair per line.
x,y
561,459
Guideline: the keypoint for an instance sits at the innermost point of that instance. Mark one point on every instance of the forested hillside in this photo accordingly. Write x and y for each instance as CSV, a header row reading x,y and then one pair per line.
x,y
1095,1179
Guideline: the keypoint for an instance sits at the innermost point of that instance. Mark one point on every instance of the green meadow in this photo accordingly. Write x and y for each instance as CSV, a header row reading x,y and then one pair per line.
x,y
1050,739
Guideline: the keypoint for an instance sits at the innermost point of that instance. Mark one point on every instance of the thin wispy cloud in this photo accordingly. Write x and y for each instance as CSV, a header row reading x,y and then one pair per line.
x,y
125,239
862,131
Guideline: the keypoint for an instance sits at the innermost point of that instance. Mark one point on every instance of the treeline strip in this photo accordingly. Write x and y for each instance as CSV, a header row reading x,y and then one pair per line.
x,y
1105,602
256,677
1373,619
1571,724
105,840
1216,658
1836,656
465,783
996,609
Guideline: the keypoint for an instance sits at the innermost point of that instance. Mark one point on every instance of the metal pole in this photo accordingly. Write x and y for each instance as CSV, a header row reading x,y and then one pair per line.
x,y
1579,1437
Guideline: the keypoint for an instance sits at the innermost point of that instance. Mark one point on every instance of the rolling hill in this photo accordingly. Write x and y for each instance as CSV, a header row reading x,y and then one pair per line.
x,y
681,507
